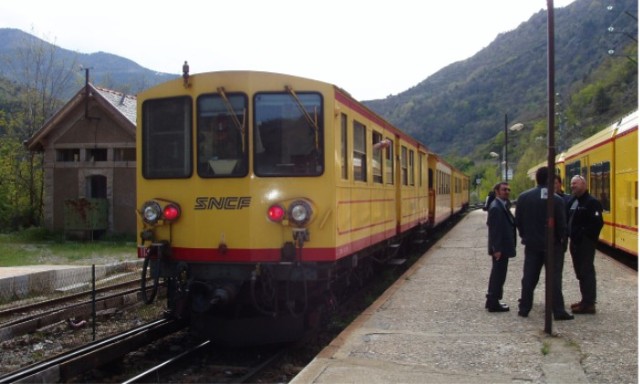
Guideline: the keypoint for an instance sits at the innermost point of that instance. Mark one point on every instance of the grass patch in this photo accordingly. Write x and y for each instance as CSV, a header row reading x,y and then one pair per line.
x,y
37,246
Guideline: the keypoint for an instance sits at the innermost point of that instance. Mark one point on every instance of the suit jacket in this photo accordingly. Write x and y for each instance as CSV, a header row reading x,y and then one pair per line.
x,y
531,218
502,229
587,218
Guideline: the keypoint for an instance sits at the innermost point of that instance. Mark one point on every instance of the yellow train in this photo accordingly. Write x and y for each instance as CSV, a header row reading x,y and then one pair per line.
x,y
262,196
608,161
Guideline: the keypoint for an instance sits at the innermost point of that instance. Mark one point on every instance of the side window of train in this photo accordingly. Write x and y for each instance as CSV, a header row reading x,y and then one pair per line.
x,y
166,138
412,167
359,151
571,169
221,135
430,181
343,147
389,167
404,165
376,160
600,188
288,134
420,169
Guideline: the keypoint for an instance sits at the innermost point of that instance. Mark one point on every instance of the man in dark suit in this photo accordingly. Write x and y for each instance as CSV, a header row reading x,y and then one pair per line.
x,y
502,245
585,223
531,220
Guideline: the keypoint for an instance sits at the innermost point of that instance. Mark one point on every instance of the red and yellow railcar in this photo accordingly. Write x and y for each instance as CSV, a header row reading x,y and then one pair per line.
x,y
262,195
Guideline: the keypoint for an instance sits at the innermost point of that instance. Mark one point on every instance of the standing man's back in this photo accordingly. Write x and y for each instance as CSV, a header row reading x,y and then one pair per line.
x,y
531,221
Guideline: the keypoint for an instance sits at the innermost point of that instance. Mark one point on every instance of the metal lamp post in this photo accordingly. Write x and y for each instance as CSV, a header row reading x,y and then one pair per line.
x,y
515,127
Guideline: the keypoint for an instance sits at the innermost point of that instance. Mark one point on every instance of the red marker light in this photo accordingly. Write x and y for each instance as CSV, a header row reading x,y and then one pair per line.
x,y
171,212
275,213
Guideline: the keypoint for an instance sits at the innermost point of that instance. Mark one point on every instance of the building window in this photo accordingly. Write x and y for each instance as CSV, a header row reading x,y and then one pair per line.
x,y
68,155
124,154
97,154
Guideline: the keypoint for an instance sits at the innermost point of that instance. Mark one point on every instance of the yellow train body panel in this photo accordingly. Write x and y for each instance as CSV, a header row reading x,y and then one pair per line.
x,y
369,184
626,191
608,160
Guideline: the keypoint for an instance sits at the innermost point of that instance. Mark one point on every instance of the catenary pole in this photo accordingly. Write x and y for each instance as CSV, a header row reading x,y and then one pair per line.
x,y
551,167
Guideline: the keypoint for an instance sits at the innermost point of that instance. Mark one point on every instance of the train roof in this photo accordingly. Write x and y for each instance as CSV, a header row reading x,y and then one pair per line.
x,y
620,127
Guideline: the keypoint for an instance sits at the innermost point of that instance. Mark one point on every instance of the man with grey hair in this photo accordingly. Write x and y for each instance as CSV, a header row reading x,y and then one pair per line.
x,y
584,225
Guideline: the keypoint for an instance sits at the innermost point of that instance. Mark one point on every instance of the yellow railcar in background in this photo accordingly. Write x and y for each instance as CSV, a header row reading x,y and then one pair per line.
x,y
263,196
608,160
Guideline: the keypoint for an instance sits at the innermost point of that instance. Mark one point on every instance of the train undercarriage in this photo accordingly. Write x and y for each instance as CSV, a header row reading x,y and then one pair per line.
x,y
261,303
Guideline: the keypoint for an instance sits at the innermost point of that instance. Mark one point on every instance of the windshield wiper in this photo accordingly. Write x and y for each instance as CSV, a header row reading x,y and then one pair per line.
x,y
234,116
312,121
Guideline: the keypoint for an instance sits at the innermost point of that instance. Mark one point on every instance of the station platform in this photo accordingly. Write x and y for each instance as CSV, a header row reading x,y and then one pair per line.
x,y
20,282
431,325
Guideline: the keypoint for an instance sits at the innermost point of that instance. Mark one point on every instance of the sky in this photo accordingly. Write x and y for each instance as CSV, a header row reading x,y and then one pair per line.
x,y
372,48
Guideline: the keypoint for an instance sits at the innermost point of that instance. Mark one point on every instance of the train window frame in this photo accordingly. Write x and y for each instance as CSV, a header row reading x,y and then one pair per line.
x,y
404,165
571,169
389,166
282,113
412,166
376,158
600,183
156,163
359,151
222,150
344,150
421,157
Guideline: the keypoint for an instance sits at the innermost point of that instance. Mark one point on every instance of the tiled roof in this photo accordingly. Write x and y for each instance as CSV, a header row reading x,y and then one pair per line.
x,y
126,104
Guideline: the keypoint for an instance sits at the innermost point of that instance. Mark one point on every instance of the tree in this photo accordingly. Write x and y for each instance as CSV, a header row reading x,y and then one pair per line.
x,y
44,77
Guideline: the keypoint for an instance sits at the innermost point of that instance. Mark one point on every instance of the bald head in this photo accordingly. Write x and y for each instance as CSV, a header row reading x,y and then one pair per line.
x,y
578,185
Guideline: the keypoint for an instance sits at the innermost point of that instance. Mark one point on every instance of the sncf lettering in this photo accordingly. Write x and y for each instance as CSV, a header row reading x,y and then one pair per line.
x,y
227,202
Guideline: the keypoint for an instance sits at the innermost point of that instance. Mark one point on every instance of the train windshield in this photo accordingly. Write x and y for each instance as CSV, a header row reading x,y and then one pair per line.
x,y
288,134
166,138
221,135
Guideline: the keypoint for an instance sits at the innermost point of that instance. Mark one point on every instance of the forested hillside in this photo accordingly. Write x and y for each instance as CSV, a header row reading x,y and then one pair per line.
x,y
458,111
462,107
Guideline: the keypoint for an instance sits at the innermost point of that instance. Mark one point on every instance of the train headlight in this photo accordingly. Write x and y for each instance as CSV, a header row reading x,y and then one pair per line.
x,y
275,213
151,212
299,212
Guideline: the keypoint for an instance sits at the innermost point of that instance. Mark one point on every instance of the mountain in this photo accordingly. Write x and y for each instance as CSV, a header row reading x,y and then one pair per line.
x,y
459,111
465,103
105,69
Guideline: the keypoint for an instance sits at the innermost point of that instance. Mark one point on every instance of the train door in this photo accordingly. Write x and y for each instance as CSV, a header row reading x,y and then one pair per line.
x,y
431,163
625,193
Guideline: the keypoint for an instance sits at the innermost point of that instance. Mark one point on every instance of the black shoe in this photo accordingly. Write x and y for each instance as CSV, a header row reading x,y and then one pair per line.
x,y
522,313
488,304
562,316
498,308
584,309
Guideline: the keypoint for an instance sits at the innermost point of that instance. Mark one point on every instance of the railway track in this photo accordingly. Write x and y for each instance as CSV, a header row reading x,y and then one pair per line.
x,y
78,361
53,311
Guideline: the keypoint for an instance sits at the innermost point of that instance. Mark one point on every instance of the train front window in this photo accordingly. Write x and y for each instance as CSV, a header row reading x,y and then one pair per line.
x,y
288,136
221,136
166,138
